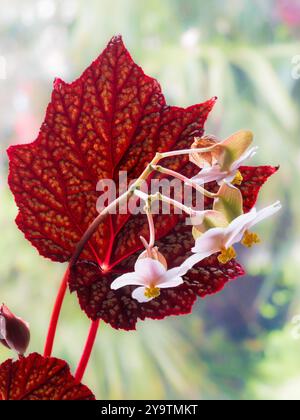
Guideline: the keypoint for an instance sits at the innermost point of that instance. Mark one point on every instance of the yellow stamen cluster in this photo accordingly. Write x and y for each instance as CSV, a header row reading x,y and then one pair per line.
x,y
227,255
238,179
152,292
250,239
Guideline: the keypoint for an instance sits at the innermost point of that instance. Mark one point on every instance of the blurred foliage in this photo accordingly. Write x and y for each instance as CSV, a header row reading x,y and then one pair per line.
x,y
237,344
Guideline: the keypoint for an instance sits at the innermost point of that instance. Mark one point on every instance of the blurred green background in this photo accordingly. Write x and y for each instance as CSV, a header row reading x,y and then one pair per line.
x,y
238,344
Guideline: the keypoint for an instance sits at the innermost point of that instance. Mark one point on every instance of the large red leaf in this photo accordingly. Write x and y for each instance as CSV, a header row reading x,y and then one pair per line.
x,y
112,118
38,378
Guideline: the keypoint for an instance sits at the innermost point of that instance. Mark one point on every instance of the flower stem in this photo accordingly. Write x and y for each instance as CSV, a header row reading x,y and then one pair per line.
x,y
186,152
55,314
151,227
99,219
87,351
184,179
158,196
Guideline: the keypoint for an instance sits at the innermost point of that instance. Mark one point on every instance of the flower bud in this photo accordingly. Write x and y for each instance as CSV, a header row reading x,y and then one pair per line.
x,y
155,255
223,153
14,332
205,158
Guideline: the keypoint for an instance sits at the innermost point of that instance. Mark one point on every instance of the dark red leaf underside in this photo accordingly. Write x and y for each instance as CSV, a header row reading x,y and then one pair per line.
x,y
117,307
113,118
121,311
38,378
254,178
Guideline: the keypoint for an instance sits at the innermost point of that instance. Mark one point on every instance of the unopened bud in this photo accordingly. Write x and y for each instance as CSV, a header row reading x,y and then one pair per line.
x,y
14,332
205,158
155,255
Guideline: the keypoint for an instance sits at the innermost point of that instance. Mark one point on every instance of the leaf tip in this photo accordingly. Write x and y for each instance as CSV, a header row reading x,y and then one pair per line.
x,y
211,102
57,84
116,39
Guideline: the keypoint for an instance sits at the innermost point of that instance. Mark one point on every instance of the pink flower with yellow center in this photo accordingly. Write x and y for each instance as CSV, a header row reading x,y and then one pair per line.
x,y
151,276
222,239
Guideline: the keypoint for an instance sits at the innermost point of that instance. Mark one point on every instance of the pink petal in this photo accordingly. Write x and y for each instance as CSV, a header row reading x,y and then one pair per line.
x,y
129,279
235,231
210,242
210,174
139,295
149,270
195,259
245,156
266,212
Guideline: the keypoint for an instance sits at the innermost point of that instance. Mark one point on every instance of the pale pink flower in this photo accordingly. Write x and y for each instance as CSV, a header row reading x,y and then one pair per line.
x,y
150,276
222,239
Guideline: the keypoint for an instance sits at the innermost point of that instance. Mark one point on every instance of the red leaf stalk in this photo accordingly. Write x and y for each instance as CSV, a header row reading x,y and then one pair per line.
x,y
55,314
64,284
87,350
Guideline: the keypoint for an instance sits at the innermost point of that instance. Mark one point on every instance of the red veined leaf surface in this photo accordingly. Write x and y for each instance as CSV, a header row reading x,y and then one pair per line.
x,y
113,118
38,378
254,178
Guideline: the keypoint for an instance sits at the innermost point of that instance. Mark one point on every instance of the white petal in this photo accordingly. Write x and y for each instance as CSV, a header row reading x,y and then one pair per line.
x,y
171,278
174,272
195,259
235,231
174,282
245,156
139,295
266,212
212,173
210,242
149,270
129,279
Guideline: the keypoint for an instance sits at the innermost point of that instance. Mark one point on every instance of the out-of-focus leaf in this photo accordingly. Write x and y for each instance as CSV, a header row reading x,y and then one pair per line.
x,y
267,85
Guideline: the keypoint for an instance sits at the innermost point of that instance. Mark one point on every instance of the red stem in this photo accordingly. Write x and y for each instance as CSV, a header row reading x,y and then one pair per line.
x,y
63,287
87,351
55,315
